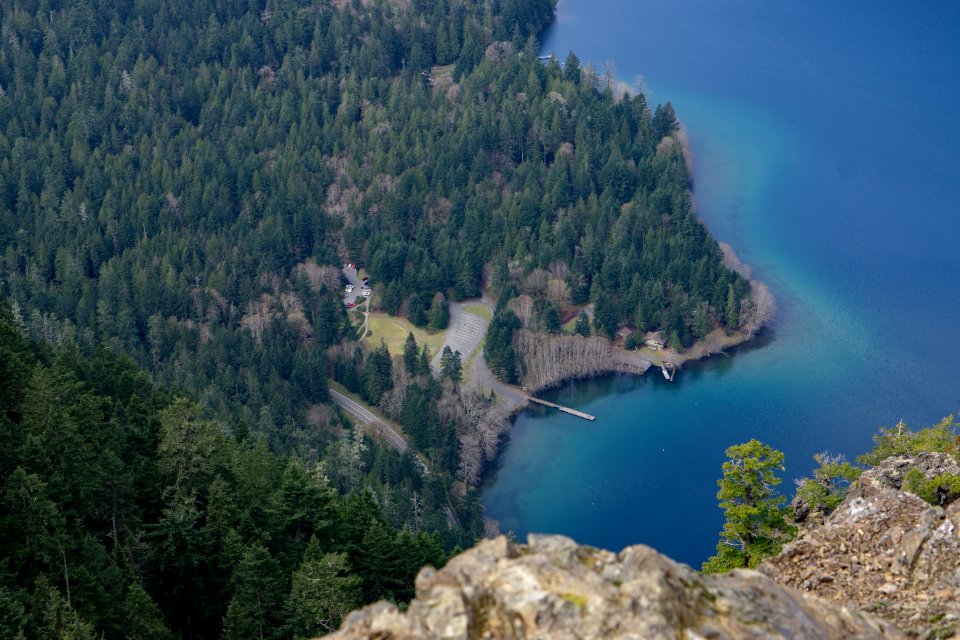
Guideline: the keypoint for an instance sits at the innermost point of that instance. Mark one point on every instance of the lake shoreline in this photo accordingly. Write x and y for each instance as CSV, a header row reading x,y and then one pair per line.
x,y
719,341
805,162
698,352
512,411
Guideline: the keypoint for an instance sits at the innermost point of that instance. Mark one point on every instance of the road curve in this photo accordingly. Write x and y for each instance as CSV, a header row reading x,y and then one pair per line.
x,y
367,417
465,334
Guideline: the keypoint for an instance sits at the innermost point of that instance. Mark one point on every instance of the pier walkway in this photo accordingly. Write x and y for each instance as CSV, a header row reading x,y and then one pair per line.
x,y
573,412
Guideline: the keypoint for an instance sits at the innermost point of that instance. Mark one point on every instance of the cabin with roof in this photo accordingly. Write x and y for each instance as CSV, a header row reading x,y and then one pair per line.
x,y
654,340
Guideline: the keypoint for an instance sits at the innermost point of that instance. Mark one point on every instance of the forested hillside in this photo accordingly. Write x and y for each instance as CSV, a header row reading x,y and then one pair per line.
x,y
127,512
172,180
173,173
165,166
180,183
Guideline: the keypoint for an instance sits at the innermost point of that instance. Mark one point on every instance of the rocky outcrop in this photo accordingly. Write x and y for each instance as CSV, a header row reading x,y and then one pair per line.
x,y
884,551
553,588
890,473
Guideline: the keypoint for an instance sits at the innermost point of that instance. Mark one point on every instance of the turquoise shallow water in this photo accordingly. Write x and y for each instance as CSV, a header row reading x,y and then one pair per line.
x,y
825,141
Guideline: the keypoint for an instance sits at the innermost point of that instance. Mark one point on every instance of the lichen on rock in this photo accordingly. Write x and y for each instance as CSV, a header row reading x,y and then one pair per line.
x,y
554,588
889,552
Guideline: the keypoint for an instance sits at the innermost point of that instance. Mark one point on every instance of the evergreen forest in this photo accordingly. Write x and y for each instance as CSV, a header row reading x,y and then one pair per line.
x,y
126,512
180,184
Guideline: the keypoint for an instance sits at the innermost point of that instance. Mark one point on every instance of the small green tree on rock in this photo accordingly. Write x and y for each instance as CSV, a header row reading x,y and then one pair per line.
x,y
827,489
755,525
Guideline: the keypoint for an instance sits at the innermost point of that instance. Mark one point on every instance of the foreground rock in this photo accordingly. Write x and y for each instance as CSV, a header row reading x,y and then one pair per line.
x,y
553,588
889,553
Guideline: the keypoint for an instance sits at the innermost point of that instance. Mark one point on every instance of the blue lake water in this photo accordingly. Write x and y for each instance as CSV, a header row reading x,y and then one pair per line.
x,y
826,138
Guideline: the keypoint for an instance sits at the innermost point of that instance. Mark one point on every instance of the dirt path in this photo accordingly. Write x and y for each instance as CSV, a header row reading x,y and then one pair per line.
x,y
366,320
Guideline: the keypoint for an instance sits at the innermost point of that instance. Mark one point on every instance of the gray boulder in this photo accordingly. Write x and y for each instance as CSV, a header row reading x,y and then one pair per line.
x,y
554,588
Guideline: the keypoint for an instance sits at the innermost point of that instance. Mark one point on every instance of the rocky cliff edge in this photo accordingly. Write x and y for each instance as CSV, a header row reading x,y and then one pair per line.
x,y
885,551
553,588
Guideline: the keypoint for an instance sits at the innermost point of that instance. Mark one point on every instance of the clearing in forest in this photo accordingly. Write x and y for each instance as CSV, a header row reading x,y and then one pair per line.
x,y
393,331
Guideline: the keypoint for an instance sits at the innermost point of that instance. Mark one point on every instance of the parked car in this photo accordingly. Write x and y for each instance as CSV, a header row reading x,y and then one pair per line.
x,y
365,293
351,305
349,288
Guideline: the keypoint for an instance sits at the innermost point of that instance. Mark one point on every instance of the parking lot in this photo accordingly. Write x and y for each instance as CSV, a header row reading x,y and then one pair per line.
x,y
351,297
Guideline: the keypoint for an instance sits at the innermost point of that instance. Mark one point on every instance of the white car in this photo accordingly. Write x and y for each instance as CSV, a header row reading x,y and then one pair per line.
x,y
349,288
365,293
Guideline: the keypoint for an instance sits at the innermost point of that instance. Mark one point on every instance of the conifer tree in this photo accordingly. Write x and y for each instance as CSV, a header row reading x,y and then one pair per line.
x,y
582,327
411,354
451,365
142,618
755,525
323,592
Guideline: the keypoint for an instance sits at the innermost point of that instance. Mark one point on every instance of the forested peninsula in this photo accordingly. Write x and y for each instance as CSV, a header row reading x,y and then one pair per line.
x,y
180,187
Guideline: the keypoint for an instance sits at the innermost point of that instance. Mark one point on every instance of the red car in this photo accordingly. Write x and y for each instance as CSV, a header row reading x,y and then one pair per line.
x,y
351,305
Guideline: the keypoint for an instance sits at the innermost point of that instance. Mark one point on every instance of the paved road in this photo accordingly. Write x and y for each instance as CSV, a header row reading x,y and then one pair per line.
x,y
364,415
380,427
465,334
511,397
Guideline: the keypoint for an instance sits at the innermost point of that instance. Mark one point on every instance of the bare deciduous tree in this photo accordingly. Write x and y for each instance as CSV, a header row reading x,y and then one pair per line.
x,y
732,261
558,292
559,269
609,75
515,269
391,402
549,360
714,342
758,310
318,276
296,318
536,282
480,426
522,306
257,315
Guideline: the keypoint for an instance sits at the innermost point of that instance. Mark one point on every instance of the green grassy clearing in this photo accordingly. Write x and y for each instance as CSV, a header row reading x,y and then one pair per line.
x,y
479,310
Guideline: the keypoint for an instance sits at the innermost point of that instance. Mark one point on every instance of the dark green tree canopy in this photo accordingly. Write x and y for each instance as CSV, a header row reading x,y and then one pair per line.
x,y
127,513
755,525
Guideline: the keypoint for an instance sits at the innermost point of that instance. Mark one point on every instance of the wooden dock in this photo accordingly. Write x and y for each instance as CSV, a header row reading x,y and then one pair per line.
x,y
573,412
